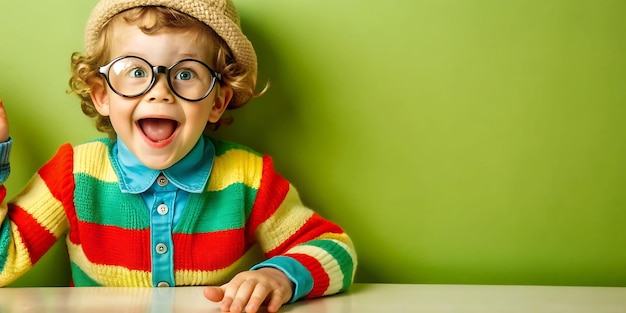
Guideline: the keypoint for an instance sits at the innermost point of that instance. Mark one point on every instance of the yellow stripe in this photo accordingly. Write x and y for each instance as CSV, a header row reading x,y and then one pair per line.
x,y
236,166
18,260
118,276
330,265
219,277
93,159
37,201
286,221
108,275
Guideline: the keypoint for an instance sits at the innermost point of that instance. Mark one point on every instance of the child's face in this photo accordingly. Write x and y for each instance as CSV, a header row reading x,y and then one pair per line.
x,y
158,127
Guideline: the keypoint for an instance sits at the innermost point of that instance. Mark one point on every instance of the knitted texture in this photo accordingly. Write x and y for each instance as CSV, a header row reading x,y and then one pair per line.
x,y
246,204
220,15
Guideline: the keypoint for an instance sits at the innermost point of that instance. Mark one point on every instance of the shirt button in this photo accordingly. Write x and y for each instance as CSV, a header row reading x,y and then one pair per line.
x,y
161,248
162,209
162,180
163,284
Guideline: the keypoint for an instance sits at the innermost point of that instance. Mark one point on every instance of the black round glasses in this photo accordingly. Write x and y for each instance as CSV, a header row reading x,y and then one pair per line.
x,y
131,76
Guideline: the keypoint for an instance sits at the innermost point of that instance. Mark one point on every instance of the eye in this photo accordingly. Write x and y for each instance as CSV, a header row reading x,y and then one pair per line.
x,y
184,74
137,73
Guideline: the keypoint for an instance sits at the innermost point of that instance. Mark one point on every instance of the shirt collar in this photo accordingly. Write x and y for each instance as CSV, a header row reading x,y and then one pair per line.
x,y
191,173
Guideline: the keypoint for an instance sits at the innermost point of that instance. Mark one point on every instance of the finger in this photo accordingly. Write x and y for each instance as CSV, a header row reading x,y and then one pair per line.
x,y
276,300
257,298
215,294
242,296
4,123
230,291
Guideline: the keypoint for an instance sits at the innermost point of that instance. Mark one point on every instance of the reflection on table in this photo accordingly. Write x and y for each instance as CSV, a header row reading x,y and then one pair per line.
x,y
360,298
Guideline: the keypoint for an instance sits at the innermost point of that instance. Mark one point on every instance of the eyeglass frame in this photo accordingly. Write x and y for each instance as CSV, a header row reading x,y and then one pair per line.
x,y
156,70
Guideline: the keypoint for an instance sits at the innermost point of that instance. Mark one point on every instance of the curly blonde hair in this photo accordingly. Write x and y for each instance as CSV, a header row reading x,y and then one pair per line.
x,y
151,20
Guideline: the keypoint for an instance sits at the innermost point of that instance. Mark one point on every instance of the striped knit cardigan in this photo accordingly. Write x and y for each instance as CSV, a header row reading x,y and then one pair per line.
x,y
246,204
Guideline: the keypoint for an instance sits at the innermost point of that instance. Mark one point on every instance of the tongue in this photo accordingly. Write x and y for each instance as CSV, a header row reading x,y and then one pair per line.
x,y
158,129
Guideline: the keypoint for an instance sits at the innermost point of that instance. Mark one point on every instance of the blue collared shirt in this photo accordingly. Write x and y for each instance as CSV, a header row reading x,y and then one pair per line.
x,y
165,193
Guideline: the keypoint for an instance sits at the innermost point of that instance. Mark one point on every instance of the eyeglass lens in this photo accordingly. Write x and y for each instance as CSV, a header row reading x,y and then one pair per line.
x,y
132,76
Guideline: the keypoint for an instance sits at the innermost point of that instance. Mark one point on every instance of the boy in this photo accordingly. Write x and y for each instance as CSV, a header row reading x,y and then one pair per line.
x,y
158,202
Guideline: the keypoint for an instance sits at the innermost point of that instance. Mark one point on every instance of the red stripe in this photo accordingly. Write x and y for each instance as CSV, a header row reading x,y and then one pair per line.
x,y
314,227
112,245
3,192
270,196
208,251
59,178
36,238
321,280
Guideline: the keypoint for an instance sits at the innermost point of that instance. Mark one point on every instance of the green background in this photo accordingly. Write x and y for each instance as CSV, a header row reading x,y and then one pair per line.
x,y
457,141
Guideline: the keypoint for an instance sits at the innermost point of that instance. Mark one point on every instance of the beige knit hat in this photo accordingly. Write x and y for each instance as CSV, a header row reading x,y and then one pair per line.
x,y
220,15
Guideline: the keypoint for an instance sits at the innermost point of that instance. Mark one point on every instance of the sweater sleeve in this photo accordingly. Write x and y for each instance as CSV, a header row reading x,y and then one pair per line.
x,y
316,254
5,152
35,219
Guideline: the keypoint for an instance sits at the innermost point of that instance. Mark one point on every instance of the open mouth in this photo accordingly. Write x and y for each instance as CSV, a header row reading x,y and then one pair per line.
x,y
158,129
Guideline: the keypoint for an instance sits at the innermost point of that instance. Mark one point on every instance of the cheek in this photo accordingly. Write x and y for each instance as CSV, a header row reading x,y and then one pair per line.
x,y
199,117
199,111
120,114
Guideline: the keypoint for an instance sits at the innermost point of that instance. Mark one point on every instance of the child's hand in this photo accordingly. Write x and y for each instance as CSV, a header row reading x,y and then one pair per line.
x,y
249,290
4,124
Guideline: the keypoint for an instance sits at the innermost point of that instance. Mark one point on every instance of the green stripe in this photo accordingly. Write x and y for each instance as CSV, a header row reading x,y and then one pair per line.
x,y
218,210
5,239
341,255
80,278
103,203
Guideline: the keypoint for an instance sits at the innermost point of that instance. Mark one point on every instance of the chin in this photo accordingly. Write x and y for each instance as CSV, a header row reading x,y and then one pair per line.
x,y
157,166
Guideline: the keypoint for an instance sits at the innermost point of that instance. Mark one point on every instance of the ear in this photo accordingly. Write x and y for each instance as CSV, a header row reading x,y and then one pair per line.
x,y
224,95
99,97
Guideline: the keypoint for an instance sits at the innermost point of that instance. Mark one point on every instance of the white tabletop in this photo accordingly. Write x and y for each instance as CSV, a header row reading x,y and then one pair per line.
x,y
361,298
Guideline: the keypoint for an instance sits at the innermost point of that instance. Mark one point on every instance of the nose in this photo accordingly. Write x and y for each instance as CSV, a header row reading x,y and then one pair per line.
x,y
160,91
